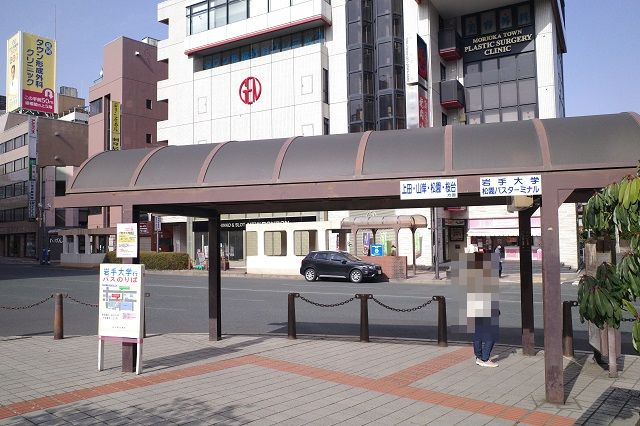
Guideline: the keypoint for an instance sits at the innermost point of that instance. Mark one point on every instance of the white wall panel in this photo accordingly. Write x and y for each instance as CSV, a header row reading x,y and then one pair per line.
x,y
220,95
283,120
337,78
202,99
202,132
261,125
338,118
282,83
221,130
240,127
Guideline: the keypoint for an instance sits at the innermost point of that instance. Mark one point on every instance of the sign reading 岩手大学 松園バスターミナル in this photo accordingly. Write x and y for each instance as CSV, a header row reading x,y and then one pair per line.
x,y
501,186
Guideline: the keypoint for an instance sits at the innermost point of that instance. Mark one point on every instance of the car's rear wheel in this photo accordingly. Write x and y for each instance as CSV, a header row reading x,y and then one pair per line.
x,y
310,274
355,276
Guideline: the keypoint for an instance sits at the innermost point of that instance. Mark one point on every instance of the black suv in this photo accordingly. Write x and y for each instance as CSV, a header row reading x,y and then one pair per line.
x,y
337,264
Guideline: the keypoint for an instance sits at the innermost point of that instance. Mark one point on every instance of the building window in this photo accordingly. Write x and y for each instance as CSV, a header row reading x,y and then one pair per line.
x,y
149,138
149,104
95,107
60,218
252,243
325,85
275,243
304,242
325,126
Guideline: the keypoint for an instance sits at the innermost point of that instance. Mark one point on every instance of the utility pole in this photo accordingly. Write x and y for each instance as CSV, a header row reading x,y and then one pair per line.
x,y
436,241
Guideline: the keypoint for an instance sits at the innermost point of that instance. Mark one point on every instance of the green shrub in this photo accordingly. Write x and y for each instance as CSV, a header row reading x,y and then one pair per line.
x,y
156,261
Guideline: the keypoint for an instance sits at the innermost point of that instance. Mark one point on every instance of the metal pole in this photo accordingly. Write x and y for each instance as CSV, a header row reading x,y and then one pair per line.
x,y
364,316
436,241
567,328
58,321
442,320
292,315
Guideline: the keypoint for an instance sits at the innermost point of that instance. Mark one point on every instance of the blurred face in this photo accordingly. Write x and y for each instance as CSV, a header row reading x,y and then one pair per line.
x,y
13,72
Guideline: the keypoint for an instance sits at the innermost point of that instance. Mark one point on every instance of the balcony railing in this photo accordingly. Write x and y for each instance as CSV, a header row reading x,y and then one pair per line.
x,y
449,45
451,94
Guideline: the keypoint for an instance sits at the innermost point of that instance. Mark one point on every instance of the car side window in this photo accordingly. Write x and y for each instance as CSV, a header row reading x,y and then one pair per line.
x,y
337,257
322,256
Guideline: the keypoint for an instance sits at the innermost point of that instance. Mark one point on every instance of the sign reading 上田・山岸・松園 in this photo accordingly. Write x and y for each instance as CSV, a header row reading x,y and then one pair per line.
x,y
503,43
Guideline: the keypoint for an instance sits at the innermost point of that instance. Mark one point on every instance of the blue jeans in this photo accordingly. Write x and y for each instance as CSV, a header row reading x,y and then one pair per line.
x,y
484,338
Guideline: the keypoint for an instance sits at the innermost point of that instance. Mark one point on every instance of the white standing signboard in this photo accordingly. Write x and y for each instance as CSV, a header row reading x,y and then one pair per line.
x,y
509,186
121,307
127,240
428,189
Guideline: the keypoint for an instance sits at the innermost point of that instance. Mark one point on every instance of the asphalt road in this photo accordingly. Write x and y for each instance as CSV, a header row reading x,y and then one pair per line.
x,y
259,306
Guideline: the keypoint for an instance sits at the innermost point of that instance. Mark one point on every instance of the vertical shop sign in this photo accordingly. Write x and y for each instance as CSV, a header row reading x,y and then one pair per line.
x,y
115,126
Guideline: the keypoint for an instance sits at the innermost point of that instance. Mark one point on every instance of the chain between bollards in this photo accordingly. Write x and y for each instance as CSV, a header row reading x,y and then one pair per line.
x,y
291,322
442,320
567,328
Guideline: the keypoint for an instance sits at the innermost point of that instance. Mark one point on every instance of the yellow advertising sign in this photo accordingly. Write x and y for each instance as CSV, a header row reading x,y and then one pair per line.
x,y
115,125
13,73
31,73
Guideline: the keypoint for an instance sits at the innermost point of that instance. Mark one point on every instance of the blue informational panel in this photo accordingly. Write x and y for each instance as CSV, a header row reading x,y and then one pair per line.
x,y
376,250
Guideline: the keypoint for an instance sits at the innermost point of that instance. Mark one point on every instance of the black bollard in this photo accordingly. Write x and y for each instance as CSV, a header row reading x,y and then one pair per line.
x,y
292,315
58,320
567,328
442,320
364,316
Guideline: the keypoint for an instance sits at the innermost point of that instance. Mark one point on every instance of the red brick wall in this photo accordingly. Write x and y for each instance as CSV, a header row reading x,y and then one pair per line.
x,y
392,266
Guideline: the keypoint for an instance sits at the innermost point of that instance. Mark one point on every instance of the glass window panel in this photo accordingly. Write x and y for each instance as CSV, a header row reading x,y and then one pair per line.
x,y
367,88
367,38
296,40
219,16
354,10
384,6
354,33
397,26
509,114
355,128
369,109
235,56
401,123
490,96
11,145
401,110
286,42
488,22
526,64
277,44
245,53
278,4
383,26
399,77
226,57
356,111
3,147
474,118
527,91
474,98
471,25
207,62
265,48
311,36
527,112
508,94
386,106
367,59
9,191
385,54
385,78
505,18
397,53
367,10
507,68
199,22
396,6
524,14
355,83
492,116
472,74
490,71
258,7
237,11
386,124
355,60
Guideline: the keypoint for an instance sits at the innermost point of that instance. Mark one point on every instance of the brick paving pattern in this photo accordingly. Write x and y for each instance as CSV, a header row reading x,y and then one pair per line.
x,y
273,380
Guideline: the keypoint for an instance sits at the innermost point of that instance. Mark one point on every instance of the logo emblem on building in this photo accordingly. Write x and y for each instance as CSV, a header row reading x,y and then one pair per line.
x,y
250,90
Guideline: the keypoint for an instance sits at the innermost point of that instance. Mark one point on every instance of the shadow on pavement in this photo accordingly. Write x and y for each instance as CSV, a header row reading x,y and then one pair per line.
x,y
614,404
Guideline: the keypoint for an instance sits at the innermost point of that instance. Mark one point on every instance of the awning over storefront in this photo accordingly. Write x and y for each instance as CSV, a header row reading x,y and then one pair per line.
x,y
499,232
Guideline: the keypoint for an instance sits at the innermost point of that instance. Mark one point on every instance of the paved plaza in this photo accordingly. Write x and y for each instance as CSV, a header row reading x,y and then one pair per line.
x,y
267,380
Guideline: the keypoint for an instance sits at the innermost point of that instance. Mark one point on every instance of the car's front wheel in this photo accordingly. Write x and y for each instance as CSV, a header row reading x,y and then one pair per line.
x,y
310,274
356,276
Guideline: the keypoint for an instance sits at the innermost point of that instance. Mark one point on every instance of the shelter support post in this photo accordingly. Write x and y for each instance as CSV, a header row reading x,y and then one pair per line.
x,y
130,214
215,315
551,300
526,281
413,249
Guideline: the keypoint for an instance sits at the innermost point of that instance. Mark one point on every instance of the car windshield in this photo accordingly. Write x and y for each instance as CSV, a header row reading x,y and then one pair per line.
x,y
351,257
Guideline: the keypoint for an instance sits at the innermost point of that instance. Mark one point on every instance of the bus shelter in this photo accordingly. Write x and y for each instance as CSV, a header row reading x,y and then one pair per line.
x,y
573,157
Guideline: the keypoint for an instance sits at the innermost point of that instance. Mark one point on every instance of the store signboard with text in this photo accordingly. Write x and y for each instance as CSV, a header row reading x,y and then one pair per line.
x,y
121,301
509,186
127,240
428,189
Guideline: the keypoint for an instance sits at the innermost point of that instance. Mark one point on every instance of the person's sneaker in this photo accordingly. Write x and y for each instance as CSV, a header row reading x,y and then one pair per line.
x,y
488,363
478,361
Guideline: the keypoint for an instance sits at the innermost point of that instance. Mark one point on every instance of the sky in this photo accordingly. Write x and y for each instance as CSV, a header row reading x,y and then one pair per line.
x,y
601,65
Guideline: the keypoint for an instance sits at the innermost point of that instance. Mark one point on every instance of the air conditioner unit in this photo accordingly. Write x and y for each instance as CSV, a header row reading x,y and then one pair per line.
x,y
519,202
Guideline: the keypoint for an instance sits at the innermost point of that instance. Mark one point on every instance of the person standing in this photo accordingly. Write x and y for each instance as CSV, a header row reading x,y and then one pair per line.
x,y
499,250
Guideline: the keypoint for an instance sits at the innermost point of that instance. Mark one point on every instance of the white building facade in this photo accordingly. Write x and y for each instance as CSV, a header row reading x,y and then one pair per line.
x,y
264,69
